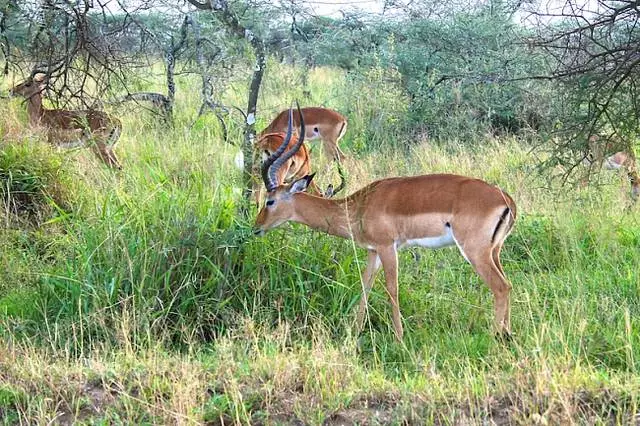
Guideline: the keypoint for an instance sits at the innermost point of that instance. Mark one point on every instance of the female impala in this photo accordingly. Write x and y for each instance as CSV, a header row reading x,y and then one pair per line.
x,y
71,128
297,166
431,211
322,123
600,155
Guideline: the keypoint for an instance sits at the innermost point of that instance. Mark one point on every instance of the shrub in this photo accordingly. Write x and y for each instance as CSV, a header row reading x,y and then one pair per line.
x,y
33,183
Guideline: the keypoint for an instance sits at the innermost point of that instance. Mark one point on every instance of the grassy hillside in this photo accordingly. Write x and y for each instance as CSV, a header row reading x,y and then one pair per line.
x,y
139,296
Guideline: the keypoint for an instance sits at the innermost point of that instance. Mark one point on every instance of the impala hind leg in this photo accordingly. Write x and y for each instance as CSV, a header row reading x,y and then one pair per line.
x,y
336,137
389,258
368,278
113,161
484,263
102,143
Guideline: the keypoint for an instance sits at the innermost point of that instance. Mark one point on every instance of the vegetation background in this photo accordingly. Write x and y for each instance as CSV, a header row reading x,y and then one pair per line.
x,y
141,297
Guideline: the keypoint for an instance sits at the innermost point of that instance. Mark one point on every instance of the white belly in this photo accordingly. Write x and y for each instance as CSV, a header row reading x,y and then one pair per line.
x,y
437,242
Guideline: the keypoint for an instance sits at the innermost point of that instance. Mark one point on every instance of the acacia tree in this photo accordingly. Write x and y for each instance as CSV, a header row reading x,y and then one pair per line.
x,y
157,38
74,43
593,51
227,16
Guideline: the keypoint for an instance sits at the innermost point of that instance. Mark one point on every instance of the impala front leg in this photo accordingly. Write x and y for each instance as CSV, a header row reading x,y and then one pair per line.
x,y
368,278
389,258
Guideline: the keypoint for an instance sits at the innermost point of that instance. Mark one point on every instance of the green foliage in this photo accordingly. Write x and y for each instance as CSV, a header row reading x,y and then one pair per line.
x,y
377,111
34,186
538,244
461,74
465,73
10,398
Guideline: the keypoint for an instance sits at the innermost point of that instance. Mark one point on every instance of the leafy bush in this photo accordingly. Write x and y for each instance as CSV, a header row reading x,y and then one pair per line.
x,y
377,109
460,74
33,183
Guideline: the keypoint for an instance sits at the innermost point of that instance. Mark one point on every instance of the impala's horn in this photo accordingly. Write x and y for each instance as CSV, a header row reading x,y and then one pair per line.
x,y
277,159
270,183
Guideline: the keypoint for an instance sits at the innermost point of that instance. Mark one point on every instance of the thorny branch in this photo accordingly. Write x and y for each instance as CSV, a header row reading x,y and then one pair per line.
x,y
595,59
223,12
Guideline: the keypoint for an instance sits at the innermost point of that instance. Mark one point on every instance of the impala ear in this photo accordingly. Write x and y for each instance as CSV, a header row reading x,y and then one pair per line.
x,y
301,184
40,78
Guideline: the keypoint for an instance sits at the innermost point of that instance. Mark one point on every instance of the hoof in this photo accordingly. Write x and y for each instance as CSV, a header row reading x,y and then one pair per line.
x,y
504,336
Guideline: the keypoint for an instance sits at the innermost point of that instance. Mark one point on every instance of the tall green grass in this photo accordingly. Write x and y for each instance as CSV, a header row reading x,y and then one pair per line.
x,y
151,267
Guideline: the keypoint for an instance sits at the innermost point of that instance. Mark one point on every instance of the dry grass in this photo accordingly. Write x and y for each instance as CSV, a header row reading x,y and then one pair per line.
x,y
249,379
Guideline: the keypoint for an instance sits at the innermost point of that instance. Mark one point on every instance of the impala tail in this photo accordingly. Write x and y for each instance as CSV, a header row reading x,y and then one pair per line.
x,y
507,219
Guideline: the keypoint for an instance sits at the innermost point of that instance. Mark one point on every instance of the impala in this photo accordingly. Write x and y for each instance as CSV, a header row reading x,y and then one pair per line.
x,y
297,166
71,128
431,211
599,154
322,123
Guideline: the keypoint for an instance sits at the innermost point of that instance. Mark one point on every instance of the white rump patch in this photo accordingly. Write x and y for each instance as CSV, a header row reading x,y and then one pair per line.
x,y
611,163
444,240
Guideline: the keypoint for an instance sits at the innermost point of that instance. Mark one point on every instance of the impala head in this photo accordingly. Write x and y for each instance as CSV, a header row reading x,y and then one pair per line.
x,y
278,207
32,85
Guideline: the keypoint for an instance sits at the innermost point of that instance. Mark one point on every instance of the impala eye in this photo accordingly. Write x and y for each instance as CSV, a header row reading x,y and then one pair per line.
x,y
270,202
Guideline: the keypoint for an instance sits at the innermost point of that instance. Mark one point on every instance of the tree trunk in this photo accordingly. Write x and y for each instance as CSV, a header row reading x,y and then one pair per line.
x,y
250,129
226,16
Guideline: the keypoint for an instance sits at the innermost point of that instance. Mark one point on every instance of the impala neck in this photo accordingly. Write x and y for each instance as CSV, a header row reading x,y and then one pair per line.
x,y
34,107
329,216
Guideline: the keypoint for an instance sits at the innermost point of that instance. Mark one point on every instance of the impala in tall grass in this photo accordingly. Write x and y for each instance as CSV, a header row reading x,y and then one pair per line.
x,y
612,154
431,211
71,128
322,123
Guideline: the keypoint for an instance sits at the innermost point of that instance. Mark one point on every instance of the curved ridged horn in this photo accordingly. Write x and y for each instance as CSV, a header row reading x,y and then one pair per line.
x,y
277,159
270,182
281,160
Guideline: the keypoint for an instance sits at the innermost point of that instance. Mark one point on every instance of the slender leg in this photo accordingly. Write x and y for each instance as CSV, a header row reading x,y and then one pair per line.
x,y
483,262
389,258
113,158
332,149
498,264
495,254
110,144
368,278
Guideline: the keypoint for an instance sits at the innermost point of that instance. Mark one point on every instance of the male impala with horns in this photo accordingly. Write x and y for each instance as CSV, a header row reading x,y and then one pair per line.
x,y
431,211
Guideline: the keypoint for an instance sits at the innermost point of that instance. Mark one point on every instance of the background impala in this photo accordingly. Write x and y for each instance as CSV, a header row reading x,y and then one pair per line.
x,y
431,211
612,154
321,123
71,128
